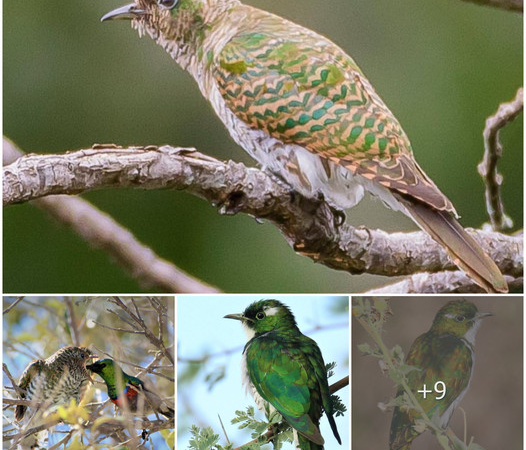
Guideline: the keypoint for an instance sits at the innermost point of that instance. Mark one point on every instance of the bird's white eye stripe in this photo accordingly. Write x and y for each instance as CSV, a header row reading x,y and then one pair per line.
x,y
271,311
451,316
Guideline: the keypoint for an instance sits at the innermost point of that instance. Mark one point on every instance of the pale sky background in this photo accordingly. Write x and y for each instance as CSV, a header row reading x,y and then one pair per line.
x,y
201,329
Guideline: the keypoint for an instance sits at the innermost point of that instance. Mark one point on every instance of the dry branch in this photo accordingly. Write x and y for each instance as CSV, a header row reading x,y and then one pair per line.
x,y
311,227
451,282
102,231
508,5
506,113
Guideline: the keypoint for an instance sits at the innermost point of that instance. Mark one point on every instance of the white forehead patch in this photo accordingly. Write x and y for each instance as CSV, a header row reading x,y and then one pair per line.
x,y
271,311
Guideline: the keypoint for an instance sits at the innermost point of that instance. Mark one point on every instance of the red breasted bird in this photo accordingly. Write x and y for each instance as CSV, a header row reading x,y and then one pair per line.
x,y
123,388
302,107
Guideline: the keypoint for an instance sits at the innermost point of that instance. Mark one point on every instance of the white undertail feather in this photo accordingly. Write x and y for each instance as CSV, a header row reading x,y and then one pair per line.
x,y
296,439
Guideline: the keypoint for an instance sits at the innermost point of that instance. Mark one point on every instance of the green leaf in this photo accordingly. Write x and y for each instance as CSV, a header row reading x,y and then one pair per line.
x,y
169,437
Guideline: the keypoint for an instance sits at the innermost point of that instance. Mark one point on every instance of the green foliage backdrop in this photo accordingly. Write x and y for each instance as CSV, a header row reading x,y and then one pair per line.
x,y
70,81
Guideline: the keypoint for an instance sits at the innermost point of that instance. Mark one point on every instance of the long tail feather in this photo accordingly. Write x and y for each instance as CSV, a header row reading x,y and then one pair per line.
x,y
334,429
463,249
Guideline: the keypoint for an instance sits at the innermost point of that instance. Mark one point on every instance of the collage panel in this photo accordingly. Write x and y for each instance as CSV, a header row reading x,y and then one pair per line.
x,y
88,372
422,365
240,353
295,116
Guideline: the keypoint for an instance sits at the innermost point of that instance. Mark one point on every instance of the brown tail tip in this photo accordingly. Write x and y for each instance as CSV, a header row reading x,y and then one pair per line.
x,y
465,252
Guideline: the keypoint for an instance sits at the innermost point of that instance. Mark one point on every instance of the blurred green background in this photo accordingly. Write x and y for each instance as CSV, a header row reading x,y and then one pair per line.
x,y
442,66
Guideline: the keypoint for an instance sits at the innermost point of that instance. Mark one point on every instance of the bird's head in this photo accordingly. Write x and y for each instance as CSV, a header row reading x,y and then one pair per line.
x,y
77,355
179,26
106,368
264,316
84,353
459,318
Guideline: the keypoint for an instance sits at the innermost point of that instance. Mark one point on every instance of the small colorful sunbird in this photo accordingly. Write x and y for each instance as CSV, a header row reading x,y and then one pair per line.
x,y
123,388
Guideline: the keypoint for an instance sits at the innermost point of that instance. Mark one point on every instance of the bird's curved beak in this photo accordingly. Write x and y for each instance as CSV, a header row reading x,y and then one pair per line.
x,y
95,367
482,315
126,12
237,317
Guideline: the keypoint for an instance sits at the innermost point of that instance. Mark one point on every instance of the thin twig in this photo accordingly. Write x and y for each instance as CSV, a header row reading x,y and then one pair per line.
x,y
19,390
147,332
12,305
64,440
506,113
121,330
72,322
507,5
223,428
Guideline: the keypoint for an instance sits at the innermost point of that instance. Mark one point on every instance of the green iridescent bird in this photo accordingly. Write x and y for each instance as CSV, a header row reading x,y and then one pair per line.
x,y
301,107
445,353
123,388
284,369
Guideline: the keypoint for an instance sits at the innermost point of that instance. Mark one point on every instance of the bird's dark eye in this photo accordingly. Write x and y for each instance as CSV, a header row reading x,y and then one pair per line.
x,y
260,315
460,318
167,4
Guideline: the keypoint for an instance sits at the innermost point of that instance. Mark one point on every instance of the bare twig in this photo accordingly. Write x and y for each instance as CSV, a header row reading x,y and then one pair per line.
x,y
506,113
102,231
311,227
13,401
25,433
137,318
72,322
340,384
13,382
508,5
12,305
63,441
121,330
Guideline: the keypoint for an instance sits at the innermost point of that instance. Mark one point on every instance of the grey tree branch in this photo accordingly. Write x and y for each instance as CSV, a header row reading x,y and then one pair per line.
x,y
310,227
102,231
444,282
506,113
508,5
